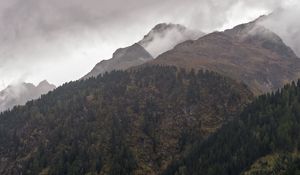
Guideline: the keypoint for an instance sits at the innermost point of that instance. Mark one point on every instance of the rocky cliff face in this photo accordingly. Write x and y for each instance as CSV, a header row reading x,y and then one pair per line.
x,y
21,93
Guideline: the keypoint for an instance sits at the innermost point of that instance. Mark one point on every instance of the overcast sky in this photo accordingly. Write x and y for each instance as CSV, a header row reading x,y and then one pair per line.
x,y
61,40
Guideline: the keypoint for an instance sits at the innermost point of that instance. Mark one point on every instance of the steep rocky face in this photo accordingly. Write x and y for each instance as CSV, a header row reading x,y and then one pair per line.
x,y
248,53
122,59
164,37
21,93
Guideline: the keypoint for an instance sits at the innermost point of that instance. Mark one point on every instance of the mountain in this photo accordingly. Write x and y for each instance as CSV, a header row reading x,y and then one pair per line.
x,y
264,139
19,94
124,122
248,52
161,38
281,22
122,59
164,37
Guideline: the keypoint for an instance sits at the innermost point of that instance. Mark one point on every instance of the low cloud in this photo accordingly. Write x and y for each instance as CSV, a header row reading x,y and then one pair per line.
x,y
62,40
285,23
19,93
165,36
16,94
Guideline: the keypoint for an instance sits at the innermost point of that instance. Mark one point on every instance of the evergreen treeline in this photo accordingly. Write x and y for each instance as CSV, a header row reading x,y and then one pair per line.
x,y
268,126
132,122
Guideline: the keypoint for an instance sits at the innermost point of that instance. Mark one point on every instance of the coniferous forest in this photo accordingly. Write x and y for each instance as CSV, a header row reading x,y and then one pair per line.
x,y
267,131
155,119
213,88
124,122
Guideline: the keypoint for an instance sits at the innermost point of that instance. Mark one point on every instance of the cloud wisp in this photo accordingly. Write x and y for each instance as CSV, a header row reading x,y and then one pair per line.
x,y
285,23
62,40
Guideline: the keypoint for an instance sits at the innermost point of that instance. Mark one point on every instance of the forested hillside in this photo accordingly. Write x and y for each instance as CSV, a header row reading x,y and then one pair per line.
x,y
264,140
132,122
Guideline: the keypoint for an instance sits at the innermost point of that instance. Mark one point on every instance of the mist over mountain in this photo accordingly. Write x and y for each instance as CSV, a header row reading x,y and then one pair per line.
x,y
164,37
284,22
249,52
86,32
169,101
161,38
19,94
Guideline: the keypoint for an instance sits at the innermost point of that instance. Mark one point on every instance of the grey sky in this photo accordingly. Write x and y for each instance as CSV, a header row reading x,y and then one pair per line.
x,y
61,40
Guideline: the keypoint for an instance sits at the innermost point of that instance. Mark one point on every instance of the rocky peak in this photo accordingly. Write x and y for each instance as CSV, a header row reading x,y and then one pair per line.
x,y
160,39
131,52
248,52
168,32
257,35
122,59
19,94
46,84
43,83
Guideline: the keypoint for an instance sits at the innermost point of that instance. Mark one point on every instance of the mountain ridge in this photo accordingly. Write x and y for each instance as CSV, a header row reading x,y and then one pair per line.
x,y
20,93
165,36
122,59
185,112
161,38
260,59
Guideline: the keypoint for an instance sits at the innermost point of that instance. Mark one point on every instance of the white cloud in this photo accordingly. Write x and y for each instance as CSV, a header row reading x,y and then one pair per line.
x,y
285,23
165,36
62,40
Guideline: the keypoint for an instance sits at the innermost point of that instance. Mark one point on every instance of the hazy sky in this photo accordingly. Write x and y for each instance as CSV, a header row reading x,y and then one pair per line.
x,y
61,40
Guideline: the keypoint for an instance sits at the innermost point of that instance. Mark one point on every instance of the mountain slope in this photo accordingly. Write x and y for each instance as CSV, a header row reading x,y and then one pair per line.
x,y
122,59
161,38
21,93
263,140
133,122
248,53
